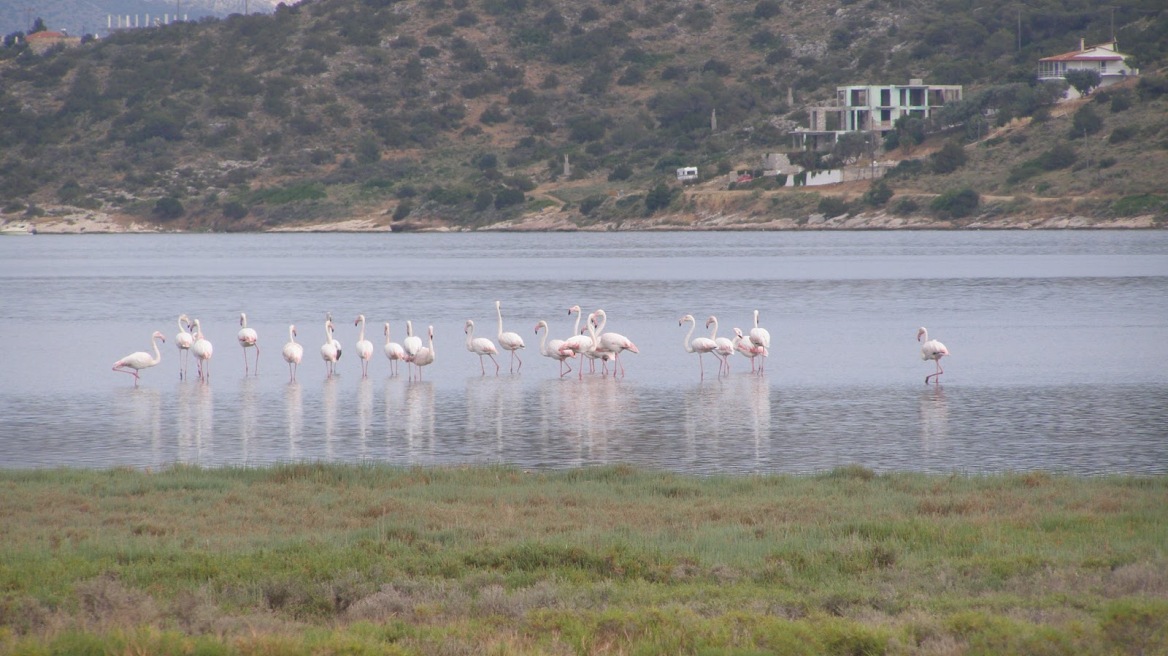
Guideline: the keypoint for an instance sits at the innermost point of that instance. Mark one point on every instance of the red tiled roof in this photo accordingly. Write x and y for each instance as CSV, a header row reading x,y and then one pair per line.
x,y
1082,56
47,35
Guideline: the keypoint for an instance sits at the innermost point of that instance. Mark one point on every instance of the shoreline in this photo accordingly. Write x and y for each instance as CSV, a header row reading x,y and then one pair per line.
x,y
104,223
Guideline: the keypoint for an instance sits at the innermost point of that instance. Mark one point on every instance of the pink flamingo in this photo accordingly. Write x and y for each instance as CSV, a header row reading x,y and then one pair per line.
x,y
293,353
202,350
247,339
699,345
509,341
140,360
412,344
931,350
554,349
425,355
364,347
480,346
747,348
393,351
183,341
612,343
760,337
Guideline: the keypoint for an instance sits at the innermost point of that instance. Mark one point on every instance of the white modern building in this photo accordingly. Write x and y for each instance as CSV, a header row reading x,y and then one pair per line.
x,y
1104,58
872,108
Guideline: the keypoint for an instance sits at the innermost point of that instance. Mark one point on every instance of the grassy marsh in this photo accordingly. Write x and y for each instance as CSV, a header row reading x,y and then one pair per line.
x,y
342,559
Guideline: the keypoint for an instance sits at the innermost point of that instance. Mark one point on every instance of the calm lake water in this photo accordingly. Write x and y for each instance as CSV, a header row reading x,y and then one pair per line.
x,y
1059,342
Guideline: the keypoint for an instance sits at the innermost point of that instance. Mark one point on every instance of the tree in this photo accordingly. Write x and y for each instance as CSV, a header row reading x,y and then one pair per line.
x,y
950,158
1083,80
1085,122
956,203
168,207
878,194
38,25
850,146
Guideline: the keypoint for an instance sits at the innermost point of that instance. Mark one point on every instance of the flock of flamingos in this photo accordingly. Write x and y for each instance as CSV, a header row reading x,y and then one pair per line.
x,y
590,343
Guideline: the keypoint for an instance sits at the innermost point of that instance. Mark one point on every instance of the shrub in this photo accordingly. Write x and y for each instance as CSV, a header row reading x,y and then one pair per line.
x,y
234,210
1121,134
507,197
402,210
878,193
956,203
1140,204
830,206
658,198
168,207
1086,122
905,206
767,9
590,203
950,158
620,172
483,200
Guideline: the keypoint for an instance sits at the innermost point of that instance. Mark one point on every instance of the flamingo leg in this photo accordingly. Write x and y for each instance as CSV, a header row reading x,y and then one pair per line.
x,y
496,363
564,363
257,364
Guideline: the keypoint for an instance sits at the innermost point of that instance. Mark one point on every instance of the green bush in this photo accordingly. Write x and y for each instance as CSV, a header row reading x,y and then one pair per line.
x,y
658,198
1122,134
507,197
1140,204
878,194
402,210
956,203
832,206
234,210
168,207
950,158
590,203
1085,122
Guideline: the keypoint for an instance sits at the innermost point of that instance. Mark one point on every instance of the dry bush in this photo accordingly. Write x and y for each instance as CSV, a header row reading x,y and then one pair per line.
x,y
106,603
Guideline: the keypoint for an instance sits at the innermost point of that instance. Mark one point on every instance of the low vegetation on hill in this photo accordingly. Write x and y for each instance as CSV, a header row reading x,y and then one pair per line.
x,y
472,112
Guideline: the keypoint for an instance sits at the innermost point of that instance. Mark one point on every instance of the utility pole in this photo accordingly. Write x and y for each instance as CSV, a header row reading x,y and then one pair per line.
x,y
1019,29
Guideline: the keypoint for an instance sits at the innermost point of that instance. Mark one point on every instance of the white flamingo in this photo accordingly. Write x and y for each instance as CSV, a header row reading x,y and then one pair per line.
x,y
393,351
425,355
248,339
336,342
202,351
699,345
183,341
612,343
554,349
480,346
293,353
760,337
329,351
364,347
580,344
509,341
412,344
724,347
931,350
135,362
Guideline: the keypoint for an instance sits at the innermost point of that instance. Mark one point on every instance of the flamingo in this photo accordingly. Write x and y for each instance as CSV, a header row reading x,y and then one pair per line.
x,y
760,337
612,343
509,341
699,345
724,347
203,350
183,341
364,347
329,351
247,338
931,350
425,355
554,349
747,348
393,351
412,344
480,346
336,342
141,359
579,343
293,353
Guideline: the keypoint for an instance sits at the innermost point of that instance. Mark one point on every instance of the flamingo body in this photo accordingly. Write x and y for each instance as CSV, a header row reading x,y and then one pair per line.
x,y
425,356
554,349
723,347
202,350
611,343
508,340
137,361
183,340
480,346
293,353
330,352
364,347
393,351
933,350
248,339
760,337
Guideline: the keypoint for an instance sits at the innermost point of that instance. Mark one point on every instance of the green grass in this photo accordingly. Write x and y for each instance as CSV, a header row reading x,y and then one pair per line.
x,y
365,559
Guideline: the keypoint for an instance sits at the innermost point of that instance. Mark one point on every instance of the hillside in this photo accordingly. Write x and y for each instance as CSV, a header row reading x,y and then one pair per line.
x,y
460,113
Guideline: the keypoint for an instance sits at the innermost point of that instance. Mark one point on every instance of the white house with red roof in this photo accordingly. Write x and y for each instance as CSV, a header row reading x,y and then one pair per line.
x,y
1104,58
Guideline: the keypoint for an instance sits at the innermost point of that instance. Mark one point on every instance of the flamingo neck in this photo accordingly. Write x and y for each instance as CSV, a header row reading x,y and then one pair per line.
x,y
714,332
469,334
693,325
292,334
157,353
543,338
499,311
603,320
361,337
